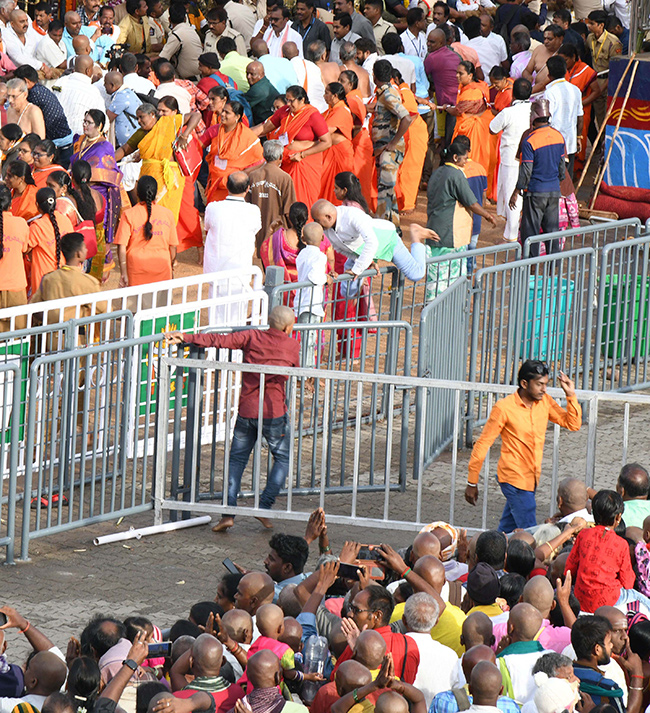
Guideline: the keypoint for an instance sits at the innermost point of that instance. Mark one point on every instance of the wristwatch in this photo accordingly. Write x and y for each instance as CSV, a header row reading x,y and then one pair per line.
x,y
131,664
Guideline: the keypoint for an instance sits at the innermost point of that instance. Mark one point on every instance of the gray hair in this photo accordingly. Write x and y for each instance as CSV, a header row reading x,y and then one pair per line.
x,y
546,532
272,151
348,51
421,612
550,663
314,50
4,4
147,108
16,83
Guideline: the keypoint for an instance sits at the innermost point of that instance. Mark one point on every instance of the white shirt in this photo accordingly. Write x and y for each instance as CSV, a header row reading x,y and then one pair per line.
x,y
311,264
242,18
620,8
8,704
182,96
519,63
368,64
231,226
491,51
414,45
513,121
18,52
306,70
139,84
406,67
437,670
519,667
565,103
50,53
275,42
78,94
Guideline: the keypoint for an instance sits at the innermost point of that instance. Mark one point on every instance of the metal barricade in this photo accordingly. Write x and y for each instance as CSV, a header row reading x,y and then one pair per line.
x,y
589,236
9,409
622,336
442,354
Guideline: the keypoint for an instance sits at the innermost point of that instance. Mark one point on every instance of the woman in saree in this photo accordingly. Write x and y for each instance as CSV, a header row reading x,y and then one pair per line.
x,y
473,116
154,140
364,159
20,182
234,147
417,140
304,134
106,178
44,154
340,155
502,83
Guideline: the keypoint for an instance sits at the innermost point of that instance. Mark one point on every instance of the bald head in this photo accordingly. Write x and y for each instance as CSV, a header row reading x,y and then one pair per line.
x,y
312,234
72,22
425,543
485,684
524,622
113,81
290,50
351,675
282,318
556,568
473,656
239,624
524,537
633,482
207,655
571,495
254,72
432,570
83,65
45,674
270,620
519,28
19,21
259,48
477,630
539,592
324,212
370,649
255,588
438,36
263,669
391,702
81,44
612,614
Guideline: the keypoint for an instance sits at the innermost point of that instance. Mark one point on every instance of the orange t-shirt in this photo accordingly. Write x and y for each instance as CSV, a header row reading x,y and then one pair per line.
x,y
43,244
147,260
14,244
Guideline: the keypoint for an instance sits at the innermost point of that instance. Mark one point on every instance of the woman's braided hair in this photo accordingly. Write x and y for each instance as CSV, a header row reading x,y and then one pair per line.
x,y
147,192
46,201
298,217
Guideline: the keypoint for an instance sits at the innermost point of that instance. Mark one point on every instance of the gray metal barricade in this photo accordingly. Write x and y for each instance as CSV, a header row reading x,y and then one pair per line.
x,y
589,236
9,411
442,354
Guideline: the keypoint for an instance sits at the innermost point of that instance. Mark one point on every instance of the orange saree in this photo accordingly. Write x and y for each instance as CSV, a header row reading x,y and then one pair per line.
x,y
24,205
582,76
229,152
473,120
417,140
364,161
340,156
502,99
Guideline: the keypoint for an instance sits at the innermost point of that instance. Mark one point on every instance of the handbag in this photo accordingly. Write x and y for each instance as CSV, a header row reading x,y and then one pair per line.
x,y
189,159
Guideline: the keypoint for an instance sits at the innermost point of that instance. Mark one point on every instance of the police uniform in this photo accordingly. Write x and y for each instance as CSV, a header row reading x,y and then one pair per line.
x,y
602,50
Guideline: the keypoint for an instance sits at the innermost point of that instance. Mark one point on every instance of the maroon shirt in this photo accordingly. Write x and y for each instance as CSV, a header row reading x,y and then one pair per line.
x,y
259,347
441,67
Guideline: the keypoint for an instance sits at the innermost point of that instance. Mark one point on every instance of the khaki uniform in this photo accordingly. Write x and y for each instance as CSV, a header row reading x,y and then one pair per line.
x,y
210,44
602,50
383,27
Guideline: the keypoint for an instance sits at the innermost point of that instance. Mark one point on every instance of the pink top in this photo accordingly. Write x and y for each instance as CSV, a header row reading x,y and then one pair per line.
x,y
552,638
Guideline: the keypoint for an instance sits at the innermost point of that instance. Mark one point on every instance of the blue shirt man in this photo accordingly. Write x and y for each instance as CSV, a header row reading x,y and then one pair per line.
x,y
124,104
67,38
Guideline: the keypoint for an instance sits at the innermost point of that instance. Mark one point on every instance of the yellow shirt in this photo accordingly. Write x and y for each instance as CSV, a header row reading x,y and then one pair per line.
x,y
448,628
489,609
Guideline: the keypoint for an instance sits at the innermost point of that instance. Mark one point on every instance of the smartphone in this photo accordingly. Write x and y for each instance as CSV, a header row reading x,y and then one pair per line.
x,y
3,619
164,648
348,571
230,566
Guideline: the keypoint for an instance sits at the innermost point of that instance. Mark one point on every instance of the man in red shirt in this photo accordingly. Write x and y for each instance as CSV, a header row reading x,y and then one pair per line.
x,y
274,347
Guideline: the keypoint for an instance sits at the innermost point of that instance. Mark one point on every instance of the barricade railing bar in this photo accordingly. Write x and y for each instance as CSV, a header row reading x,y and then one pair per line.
x,y
432,495
9,385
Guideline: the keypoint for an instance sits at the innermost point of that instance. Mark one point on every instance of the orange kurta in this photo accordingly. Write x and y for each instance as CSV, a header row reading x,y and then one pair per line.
x,y
15,243
42,242
474,120
582,76
417,140
229,152
147,260
339,157
364,160
502,99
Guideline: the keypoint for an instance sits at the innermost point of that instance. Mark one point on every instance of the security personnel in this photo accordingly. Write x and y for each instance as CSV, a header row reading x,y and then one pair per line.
x,y
603,46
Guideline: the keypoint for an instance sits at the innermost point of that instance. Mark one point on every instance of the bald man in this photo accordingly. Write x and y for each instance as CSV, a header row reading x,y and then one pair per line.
x,y
264,675
261,93
485,685
369,649
308,75
255,589
572,499
634,487
73,27
362,240
78,94
448,701
351,675
540,594
45,674
123,107
20,42
273,347
517,659
203,662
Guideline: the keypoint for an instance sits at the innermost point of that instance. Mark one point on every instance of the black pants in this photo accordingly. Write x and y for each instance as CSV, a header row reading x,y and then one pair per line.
x,y
450,125
540,214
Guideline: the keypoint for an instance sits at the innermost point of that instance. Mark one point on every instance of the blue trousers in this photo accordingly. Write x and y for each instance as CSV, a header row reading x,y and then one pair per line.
x,y
519,510
243,442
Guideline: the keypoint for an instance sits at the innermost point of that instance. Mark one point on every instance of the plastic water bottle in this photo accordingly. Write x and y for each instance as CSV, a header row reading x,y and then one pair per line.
x,y
315,653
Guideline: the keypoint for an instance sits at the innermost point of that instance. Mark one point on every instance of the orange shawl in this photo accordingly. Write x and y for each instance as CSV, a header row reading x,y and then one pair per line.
x,y
339,157
364,160
417,141
474,121
229,152
40,174
24,206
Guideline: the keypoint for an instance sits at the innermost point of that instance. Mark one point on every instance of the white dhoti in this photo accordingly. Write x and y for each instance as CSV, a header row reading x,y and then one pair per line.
x,y
506,184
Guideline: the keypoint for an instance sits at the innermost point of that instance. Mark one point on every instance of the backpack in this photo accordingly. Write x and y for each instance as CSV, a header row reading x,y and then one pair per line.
x,y
462,699
235,95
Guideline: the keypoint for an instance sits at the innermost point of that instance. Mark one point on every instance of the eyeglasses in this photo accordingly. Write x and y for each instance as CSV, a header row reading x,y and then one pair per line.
x,y
27,150
88,122
37,154
355,609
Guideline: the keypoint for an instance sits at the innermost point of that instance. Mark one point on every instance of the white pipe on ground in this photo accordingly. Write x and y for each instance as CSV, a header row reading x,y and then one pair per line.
x,y
132,533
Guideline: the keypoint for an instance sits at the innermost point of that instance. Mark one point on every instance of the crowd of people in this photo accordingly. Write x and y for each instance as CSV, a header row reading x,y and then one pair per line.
x,y
550,619
130,123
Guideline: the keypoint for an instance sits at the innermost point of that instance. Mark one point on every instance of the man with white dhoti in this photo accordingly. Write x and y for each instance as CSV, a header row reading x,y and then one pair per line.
x,y
231,226
513,121
363,240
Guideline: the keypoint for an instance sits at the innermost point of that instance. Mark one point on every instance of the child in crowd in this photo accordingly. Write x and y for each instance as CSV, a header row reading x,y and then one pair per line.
x,y
600,560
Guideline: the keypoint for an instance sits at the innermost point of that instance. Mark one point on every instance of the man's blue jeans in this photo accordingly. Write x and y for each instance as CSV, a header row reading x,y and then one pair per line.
x,y
520,509
243,442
